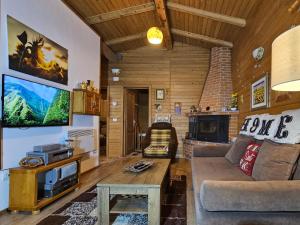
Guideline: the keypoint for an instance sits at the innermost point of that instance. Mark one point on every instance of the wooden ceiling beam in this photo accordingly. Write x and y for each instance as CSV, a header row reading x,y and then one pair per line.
x,y
201,37
203,13
295,6
126,38
100,18
162,13
108,53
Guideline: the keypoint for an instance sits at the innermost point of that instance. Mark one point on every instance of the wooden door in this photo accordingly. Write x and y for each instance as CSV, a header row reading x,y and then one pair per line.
x,y
130,121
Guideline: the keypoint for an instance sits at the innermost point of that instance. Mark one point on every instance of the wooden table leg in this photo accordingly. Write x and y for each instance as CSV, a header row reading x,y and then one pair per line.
x,y
153,206
103,205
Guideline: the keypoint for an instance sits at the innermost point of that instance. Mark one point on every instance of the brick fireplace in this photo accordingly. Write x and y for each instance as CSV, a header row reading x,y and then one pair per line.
x,y
216,95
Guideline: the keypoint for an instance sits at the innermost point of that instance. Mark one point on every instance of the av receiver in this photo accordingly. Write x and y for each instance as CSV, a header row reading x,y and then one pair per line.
x,y
51,153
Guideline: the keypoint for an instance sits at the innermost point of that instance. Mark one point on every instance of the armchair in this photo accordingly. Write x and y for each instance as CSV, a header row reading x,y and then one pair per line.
x,y
172,141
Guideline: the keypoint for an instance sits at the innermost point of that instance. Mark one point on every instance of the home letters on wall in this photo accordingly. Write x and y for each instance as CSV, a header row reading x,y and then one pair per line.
x,y
282,128
32,53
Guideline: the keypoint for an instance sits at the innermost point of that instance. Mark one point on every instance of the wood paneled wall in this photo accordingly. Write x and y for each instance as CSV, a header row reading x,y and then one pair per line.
x,y
181,72
270,20
115,129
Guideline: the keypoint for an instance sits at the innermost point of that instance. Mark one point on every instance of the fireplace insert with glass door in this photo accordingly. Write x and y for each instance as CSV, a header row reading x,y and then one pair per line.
x,y
211,128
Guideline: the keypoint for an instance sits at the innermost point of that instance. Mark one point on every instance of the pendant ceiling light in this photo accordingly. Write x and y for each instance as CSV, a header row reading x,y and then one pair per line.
x,y
154,35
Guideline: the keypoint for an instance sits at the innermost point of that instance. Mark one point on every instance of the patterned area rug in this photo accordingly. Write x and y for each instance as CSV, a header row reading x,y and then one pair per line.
x,y
82,210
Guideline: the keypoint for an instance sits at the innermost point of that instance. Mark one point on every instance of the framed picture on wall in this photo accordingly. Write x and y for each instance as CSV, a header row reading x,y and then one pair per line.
x,y
177,108
33,53
160,94
260,93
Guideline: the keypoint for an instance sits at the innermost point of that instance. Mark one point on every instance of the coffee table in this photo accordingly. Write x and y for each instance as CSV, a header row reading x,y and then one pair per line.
x,y
148,184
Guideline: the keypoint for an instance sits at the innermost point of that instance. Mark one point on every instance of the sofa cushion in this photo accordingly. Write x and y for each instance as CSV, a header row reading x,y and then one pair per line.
x,y
256,196
211,150
297,172
238,149
215,168
248,159
160,137
275,161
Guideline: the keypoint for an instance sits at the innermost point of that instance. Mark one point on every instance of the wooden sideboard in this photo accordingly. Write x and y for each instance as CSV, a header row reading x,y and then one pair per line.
x,y
23,190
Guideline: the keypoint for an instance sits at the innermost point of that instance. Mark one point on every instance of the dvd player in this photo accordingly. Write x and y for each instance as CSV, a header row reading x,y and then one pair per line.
x,y
57,180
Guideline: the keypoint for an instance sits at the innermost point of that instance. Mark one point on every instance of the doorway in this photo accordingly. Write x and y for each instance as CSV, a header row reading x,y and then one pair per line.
x,y
136,118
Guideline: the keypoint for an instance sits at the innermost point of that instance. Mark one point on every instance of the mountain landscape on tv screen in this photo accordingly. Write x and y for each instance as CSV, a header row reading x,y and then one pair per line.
x,y
23,107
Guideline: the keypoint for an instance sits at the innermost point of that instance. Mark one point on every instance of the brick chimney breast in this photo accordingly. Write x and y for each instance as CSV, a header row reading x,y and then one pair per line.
x,y
218,85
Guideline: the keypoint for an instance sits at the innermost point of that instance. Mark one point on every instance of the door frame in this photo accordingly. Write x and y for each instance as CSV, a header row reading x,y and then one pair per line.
x,y
134,87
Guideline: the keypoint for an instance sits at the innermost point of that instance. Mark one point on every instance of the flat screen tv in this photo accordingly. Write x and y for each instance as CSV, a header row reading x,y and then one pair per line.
x,y
30,104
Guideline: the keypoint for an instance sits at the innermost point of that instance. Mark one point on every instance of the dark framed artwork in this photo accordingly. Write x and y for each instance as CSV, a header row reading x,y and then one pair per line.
x,y
160,94
33,53
260,93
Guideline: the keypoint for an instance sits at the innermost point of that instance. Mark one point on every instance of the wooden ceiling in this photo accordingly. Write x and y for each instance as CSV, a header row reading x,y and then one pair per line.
x,y
122,24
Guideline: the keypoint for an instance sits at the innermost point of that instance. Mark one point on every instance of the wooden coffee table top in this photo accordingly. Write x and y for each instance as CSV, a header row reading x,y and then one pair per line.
x,y
152,177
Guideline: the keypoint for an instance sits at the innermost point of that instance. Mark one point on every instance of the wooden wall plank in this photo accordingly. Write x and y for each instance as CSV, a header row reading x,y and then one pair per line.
x,y
261,31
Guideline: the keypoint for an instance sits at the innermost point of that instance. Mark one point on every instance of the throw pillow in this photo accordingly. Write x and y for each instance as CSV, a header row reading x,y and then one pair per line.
x,y
288,130
275,161
238,149
268,127
246,124
248,159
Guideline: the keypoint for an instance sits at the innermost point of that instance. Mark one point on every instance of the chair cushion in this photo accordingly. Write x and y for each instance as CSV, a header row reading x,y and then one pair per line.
x,y
160,137
238,149
275,161
156,150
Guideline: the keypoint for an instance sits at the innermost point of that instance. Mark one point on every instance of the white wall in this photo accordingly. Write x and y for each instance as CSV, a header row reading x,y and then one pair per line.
x,y
54,20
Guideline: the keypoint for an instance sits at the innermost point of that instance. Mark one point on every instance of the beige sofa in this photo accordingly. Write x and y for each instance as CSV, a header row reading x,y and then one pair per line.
x,y
225,195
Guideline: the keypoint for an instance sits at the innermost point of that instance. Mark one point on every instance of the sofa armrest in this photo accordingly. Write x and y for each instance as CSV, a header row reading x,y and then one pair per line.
x,y
218,150
258,196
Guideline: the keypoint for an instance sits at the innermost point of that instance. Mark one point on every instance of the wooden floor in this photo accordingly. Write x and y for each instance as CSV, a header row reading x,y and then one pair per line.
x,y
180,167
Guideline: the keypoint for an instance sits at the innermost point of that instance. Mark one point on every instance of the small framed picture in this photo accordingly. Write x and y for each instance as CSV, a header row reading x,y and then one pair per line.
x,y
260,93
160,94
177,107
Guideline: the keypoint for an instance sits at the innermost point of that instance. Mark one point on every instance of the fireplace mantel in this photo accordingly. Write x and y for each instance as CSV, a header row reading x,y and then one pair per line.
x,y
213,113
